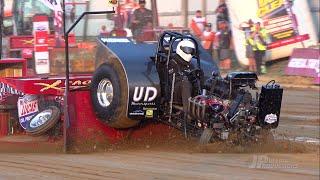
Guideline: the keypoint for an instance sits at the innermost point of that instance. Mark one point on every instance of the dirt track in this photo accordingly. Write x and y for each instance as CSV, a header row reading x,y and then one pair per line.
x,y
179,159
155,165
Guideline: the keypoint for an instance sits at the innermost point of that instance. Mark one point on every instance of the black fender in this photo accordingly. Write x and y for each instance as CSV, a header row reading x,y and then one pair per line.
x,y
140,72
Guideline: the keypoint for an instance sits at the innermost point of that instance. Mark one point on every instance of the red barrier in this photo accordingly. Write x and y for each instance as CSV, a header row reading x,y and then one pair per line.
x,y
84,125
4,123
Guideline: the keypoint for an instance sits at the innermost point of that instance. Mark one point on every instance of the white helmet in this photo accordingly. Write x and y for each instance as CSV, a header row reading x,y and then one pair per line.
x,y
186,50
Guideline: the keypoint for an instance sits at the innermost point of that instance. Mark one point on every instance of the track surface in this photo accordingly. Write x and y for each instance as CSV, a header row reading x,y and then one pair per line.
x,y
153,165
300,117
300,113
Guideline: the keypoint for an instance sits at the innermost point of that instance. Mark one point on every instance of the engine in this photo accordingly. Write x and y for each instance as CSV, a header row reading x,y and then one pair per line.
x,y
222,115
209,112
229,104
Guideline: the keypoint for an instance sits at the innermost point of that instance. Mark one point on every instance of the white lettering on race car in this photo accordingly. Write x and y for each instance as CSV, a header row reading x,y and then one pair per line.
x,y
148,94
115,40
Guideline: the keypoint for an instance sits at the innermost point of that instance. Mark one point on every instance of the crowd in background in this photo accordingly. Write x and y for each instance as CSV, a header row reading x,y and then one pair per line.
x,y
219,42
133,16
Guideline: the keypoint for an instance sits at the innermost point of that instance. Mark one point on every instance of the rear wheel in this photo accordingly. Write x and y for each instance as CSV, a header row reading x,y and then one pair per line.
x,y
109,94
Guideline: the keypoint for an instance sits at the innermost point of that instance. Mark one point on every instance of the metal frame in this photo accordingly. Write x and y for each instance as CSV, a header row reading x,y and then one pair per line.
x,y
174,36
66,122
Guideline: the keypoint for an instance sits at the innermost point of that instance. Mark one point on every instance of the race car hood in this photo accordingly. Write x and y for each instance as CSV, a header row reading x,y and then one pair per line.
x,y
135,62
131,53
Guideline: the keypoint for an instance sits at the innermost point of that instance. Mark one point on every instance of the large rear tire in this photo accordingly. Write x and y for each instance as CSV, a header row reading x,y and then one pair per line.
x,y
109,94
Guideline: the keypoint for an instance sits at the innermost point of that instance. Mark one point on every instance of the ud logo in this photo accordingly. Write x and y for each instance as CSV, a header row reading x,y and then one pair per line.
x,y
145,94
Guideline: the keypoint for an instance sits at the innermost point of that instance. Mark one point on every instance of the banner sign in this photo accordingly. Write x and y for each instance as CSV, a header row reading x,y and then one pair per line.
x,y
288,24
6,91
27,108
280,22
8,4
55,5
304,62
41,51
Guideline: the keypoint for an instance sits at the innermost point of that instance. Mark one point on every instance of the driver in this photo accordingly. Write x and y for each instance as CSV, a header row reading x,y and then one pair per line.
x,y
180,68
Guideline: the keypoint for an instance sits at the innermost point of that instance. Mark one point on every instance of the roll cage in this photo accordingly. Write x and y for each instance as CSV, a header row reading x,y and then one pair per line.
x,y
166,51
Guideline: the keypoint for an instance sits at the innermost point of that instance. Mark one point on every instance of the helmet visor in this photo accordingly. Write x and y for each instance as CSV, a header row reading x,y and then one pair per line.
x,y
188,50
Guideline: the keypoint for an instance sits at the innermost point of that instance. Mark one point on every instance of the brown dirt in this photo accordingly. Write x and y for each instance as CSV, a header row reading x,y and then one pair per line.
x,y
315,122
156,165
176,142
172,142
31,147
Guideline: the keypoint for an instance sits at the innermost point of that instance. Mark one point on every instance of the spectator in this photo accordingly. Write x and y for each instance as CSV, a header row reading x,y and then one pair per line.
x,y
222,12
247,28
103,31
142,17
127,9
170,25
207,38
70,12
258,40
224,45
148,34
198,24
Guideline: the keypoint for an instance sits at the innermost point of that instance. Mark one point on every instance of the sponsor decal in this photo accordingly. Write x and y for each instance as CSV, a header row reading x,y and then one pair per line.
x,y
27,108
280,21
268,6
115,40
112,3
27,53
41,52
271,118
304,62
148,94
137,113
143,102
41,118
149,113
27,42
41,28
50,86
59,85
6,91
